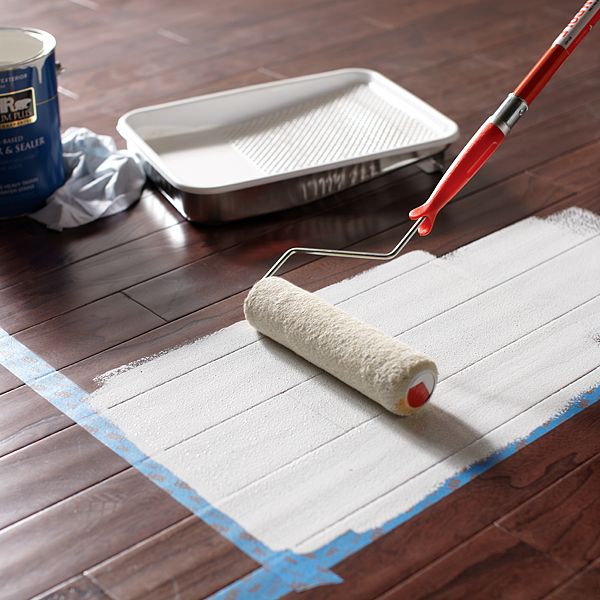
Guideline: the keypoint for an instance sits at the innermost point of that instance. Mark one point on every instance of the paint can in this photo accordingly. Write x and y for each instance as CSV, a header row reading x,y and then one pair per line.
x,y
31,165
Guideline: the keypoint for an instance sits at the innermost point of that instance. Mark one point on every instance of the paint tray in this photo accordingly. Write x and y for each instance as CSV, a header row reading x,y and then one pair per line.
x,y
268,147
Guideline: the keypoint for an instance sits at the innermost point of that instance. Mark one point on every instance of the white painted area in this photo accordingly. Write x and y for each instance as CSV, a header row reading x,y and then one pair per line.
x,y
297,458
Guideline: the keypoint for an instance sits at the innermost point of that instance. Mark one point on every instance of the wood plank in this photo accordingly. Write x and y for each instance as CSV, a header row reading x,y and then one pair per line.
x,y
166,566
28,303
246,31
144,87
88,330
29,249
31,302
51,470
8,381
491,564
584,586
529,188
26,418
84,332
83,531
446,31
563,521
177,293
80,588
575,170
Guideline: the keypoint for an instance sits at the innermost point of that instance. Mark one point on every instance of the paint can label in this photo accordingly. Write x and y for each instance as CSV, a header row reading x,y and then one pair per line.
x,y
17,108
31,164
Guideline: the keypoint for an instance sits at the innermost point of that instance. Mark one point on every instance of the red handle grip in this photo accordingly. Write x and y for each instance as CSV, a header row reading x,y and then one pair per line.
x,y
472,157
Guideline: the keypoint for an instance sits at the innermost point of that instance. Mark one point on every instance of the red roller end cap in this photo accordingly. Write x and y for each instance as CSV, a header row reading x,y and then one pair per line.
x,y
417,395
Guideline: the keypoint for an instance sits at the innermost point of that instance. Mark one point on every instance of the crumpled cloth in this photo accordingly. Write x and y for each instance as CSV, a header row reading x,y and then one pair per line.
x,y
101,181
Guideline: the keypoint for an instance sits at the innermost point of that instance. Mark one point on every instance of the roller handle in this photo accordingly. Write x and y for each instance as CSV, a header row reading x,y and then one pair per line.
x,y
493,132
472,157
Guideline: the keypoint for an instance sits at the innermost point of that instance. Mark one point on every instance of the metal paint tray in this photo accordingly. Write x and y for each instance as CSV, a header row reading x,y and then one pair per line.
x,y
268,147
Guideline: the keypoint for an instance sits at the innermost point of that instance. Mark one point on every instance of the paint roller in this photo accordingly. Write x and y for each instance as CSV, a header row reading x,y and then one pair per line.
x,y
382,368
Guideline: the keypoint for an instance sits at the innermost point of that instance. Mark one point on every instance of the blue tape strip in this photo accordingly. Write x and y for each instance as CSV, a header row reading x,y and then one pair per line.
x,y
261,582
294,571
281,572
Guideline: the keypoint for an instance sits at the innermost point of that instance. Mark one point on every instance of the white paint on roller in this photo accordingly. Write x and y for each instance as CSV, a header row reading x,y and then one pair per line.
x,y
378,365
298,458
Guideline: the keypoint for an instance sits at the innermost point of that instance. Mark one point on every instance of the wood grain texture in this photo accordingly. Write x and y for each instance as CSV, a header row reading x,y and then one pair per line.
x,y
89,527
25,418
79,588
39,250
574,170
84,331
51,470
562,520
492,564
163,567
183,291
583,586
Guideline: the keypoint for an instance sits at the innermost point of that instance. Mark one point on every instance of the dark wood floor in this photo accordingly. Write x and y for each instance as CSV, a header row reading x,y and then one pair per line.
x,y
78,522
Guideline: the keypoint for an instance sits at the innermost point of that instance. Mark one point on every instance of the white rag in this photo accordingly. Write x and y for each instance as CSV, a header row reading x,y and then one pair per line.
x,y
101,181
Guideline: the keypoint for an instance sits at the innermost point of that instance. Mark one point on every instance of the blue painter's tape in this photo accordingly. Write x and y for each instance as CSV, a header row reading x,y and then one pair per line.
x,y
261,581
294,571
281,572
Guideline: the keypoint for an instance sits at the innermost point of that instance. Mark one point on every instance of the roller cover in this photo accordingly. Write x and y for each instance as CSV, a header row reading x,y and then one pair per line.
x,y
382,368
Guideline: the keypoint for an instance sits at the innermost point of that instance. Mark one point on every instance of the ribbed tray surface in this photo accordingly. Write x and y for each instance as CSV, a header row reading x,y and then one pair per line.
x,y
354,121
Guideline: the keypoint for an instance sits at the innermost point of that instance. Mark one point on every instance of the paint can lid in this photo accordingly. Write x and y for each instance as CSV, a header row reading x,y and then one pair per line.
x,y
20,46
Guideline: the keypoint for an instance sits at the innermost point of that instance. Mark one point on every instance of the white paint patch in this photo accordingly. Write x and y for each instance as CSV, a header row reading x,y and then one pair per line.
x,y
68,93
297,458
171,35
86,4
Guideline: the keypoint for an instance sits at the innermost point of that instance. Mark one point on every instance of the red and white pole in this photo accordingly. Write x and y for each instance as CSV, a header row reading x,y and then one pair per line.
x,y
493,132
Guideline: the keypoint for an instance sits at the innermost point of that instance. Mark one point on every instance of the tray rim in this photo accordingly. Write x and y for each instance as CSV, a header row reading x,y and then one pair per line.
x,y
139,144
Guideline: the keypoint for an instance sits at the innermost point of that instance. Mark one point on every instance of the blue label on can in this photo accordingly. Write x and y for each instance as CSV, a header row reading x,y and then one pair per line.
x,y
31,165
